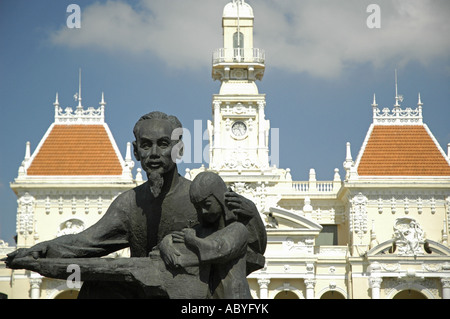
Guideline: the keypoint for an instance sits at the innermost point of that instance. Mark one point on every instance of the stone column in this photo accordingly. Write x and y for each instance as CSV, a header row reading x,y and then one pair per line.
x,y
35,284
445,288
375,284
263,288
310,284
216,124
261,127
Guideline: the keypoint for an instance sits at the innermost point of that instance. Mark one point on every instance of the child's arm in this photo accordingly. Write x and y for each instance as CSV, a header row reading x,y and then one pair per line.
x,y
223,245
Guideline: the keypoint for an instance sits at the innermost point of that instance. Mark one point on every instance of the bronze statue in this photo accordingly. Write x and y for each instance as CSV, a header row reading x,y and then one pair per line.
x,y
151,219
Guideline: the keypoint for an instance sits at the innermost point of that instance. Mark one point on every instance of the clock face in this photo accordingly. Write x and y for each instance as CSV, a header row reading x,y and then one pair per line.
x,y
239,128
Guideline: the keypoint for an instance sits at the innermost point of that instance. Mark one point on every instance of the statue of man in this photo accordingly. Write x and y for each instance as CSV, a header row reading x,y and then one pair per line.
x,y
141,217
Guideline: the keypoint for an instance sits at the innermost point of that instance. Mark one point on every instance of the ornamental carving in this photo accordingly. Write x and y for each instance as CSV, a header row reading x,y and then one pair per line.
x,y
358,215
240,159
69,227
303,246
25,216
409,237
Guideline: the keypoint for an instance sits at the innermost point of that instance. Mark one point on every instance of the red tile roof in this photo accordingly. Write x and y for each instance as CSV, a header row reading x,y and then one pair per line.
x,y
76,150
402,151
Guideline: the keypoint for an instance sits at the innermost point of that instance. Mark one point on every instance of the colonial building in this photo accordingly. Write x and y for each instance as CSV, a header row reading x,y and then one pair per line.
x,y
378,231
63,187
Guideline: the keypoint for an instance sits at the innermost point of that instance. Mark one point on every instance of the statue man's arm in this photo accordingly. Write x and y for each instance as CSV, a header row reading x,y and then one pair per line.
x,y
109,234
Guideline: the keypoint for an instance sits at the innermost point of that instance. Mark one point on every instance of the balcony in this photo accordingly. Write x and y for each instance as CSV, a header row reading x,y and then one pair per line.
x,y
239,55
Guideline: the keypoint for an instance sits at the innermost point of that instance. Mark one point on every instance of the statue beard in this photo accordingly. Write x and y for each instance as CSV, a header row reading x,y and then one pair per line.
x,y
156,182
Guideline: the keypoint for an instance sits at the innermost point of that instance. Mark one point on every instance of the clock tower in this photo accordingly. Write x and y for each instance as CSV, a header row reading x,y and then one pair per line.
x,y
239,132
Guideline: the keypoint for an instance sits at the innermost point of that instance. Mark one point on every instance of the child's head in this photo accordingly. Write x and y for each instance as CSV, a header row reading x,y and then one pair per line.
x,y
207,194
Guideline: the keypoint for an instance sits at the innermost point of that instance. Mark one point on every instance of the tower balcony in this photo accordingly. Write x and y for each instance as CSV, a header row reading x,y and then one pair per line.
x,y
239,55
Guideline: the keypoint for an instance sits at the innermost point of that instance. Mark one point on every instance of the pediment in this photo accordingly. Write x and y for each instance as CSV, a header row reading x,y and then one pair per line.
x,y
388,248
292,220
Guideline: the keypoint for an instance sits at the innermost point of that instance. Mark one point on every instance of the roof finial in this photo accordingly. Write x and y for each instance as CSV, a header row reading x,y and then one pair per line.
x,y
27,151
397,97
348,156
79,90
56,100
419,103
374,104
103,103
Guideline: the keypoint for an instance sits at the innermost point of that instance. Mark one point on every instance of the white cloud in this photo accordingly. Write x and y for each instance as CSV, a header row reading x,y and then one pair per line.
x,y
320,37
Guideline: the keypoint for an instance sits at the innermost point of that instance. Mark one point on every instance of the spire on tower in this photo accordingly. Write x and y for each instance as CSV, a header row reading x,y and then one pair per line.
x,y
374,104
397,96
78,95
56,100
102,102
27,151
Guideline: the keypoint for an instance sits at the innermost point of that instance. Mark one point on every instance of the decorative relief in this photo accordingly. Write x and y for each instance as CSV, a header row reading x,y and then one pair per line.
x,y
391,267
240,159
238,74
432,267
239,109
25,216
303,246
409,237
392,285
90,115
397,116
358,212
69,227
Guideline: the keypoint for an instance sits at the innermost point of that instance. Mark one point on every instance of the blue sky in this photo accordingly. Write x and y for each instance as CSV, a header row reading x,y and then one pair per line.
x,y
323,66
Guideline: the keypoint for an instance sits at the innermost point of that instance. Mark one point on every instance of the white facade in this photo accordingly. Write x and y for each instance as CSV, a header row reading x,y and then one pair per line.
x,y
326,239
357,236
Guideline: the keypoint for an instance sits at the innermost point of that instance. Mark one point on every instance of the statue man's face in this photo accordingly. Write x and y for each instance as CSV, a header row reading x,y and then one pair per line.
x,y
153,146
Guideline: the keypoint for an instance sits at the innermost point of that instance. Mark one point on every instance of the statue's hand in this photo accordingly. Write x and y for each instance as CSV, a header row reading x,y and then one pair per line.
x,y
37,251
190,236
240,205
169,253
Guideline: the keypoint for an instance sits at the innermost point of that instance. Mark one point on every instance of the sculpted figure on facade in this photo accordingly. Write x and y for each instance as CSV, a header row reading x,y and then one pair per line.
x,y
409,237
141,219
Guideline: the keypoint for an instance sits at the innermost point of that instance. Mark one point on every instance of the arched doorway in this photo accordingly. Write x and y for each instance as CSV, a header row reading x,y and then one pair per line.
x,y
331,294
286,295
410,294
68,294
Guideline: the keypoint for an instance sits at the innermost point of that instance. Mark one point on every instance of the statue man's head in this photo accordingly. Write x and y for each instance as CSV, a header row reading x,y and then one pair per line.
x,y
157,146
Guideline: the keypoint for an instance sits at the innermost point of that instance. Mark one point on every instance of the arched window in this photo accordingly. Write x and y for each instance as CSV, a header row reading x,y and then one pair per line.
x,y
409,294
238,46
238,40
286,295
332,295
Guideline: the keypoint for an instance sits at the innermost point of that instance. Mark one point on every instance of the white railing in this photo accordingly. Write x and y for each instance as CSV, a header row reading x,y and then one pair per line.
x,y
300,186
315,187
239,55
